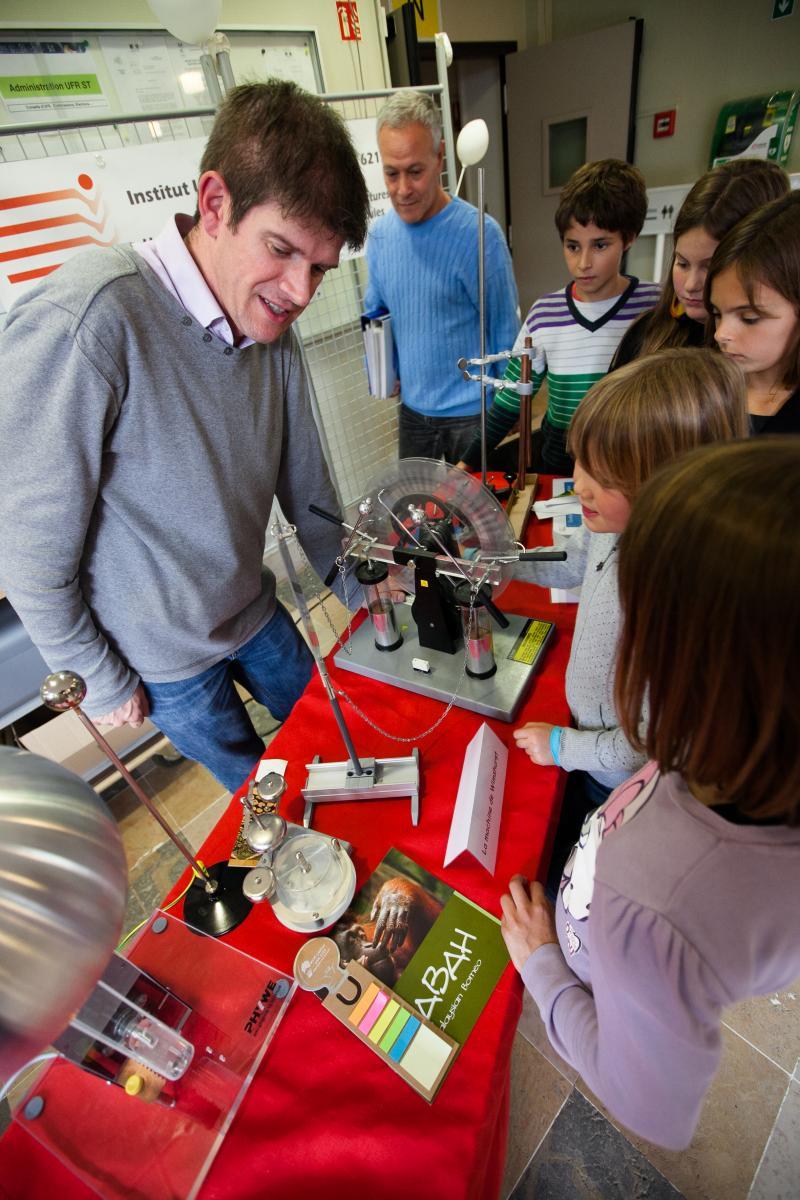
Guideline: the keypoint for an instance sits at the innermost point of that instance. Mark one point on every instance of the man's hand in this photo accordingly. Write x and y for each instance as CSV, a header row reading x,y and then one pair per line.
x,y
462,466
527,922
534,739
396,389
132,712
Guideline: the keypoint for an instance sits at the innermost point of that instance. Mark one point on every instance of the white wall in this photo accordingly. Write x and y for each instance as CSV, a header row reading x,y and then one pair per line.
x,y
343,63
696,56
477,21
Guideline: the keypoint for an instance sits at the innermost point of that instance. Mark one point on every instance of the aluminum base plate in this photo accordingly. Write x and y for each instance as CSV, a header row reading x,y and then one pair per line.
x,y
383,778
500,696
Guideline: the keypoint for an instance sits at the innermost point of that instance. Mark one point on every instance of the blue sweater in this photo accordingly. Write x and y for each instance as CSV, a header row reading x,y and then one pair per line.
x,y
427,277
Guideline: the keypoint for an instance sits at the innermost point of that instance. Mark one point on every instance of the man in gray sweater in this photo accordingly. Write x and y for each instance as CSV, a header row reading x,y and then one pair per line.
x,y
152,406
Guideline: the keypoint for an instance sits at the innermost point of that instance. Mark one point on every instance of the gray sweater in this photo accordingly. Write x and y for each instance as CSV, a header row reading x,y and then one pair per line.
x,y
141,456
597,745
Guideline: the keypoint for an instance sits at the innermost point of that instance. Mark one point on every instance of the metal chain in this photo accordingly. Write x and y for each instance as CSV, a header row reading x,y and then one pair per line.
x,y
346,646
317,595
418,737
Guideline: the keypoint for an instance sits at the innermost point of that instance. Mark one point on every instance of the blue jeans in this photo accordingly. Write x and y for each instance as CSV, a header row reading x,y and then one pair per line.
x,y
205,718
435,437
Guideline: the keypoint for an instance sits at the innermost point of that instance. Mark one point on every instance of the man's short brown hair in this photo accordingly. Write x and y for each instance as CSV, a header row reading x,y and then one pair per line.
x,y
276,143
609,193
709,579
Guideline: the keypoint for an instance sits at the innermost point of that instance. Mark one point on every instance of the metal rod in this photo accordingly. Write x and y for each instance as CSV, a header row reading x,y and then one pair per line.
x,y
524,418
183,114
279,532
482,314
66,124
447,116
143,798
432,89
211,78
225,70
249,808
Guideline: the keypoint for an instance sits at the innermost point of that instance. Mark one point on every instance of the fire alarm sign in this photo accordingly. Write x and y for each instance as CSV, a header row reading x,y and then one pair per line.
x,y
664,124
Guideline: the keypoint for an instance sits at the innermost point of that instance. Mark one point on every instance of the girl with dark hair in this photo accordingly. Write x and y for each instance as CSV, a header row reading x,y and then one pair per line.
x,y
753,294
719,199
682,893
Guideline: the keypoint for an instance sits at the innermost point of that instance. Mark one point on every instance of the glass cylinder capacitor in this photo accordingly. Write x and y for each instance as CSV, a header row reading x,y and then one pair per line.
x,y
373,578
476,624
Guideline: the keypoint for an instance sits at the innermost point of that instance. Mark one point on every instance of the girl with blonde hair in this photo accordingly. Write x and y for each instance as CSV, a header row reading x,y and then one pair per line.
x,y
631,423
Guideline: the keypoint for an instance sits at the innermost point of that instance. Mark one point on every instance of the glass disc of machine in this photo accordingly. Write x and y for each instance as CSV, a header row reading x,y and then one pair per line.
x,y
466,516
313,880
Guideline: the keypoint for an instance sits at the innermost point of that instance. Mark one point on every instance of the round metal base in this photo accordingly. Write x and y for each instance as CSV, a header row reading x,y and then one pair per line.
x,y
222,912
483,674
394,646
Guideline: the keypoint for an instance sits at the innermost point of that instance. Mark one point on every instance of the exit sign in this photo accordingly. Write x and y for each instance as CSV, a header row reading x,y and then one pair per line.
x,y
782,8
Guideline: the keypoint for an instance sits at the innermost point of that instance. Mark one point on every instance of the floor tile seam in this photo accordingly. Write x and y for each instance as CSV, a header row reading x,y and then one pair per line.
x,y
540,1143
757,1049
197,816
770,1136
178,823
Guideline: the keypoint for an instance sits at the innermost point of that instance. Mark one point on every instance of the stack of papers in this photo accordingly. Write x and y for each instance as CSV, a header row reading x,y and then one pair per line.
x,y
565,509
376,328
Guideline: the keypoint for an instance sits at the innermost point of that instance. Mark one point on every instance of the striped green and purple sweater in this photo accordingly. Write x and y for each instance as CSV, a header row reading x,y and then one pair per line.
x,y
573,346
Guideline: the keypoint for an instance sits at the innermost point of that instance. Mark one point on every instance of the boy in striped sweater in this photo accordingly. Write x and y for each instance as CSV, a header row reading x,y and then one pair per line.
x,y
575,331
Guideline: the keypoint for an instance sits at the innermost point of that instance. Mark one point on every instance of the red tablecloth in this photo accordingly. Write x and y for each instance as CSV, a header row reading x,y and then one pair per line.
x,y
324,1117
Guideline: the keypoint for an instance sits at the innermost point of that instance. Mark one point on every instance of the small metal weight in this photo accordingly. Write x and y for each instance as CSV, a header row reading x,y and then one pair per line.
x,y
264,831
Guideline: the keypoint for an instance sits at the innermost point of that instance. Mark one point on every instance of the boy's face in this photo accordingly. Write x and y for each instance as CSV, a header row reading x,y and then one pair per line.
x,y
593,258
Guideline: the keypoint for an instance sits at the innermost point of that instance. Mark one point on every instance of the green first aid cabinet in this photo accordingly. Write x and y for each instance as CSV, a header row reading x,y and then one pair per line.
x,y
759,127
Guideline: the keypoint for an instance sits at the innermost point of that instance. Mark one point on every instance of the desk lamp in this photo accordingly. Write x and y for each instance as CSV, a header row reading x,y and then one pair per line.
x,y
195,22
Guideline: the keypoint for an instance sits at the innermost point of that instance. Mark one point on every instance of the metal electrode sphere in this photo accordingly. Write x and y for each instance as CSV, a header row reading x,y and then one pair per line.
x,y
62,899
63,691
214,903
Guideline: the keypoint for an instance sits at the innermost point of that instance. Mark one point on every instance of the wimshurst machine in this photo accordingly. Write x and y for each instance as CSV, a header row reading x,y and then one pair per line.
x,y
436,531
433,530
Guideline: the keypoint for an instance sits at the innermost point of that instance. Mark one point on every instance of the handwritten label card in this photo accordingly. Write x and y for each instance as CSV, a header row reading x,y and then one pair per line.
x,y
479,803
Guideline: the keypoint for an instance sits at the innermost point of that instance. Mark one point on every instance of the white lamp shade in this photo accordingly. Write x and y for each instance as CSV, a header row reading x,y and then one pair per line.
x,y
473,142
192,21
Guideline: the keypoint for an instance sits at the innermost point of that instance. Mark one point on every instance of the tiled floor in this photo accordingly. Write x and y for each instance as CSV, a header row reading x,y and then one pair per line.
x,y
562,1145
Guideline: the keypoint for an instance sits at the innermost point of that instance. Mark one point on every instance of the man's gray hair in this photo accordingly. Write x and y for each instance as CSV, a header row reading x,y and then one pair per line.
x,y
408,107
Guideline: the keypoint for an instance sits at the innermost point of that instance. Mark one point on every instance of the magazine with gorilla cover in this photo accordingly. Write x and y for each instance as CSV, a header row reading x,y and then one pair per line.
x,y
431,945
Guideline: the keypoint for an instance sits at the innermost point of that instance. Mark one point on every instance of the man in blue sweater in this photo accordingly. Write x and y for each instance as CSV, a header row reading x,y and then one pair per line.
x,y
423,267
153,404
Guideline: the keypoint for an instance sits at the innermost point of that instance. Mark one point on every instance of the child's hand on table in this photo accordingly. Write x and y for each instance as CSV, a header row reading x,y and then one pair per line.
x,y
527,922
534,739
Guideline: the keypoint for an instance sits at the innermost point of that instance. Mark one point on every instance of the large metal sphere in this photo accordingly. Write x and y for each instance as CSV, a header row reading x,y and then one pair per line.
x,y
63,690
62,900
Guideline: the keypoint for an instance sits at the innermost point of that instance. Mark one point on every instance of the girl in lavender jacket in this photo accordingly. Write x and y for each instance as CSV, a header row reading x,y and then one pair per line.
x,y
681,896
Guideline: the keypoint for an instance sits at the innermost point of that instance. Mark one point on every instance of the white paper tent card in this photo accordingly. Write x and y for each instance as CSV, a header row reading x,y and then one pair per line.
x,y
479,803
